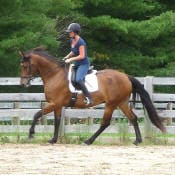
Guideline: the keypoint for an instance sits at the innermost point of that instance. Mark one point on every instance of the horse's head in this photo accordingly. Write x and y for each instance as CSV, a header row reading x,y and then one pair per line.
x,y
27,69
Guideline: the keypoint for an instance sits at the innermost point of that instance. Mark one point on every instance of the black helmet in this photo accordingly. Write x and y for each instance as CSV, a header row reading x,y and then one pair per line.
x,y
74,27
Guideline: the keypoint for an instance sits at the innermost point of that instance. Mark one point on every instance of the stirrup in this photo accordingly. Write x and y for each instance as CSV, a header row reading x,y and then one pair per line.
x,y
88,101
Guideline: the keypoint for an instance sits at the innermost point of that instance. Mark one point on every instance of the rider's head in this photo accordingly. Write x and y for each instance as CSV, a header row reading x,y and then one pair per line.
x,y
74,27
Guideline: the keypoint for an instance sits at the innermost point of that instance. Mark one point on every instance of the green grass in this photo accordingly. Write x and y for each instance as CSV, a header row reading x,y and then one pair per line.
x,y
78,138
23,138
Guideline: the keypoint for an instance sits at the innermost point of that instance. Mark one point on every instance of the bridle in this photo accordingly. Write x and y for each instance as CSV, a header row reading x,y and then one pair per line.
x,y
29,68
29,76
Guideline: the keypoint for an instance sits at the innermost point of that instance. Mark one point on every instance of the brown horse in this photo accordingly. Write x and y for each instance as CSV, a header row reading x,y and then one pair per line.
x,y
115,89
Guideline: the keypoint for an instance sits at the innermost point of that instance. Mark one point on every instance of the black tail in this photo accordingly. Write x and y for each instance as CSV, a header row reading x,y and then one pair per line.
x,y
146,100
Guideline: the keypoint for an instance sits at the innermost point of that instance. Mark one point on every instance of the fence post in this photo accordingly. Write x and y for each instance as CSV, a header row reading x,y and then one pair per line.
x,y
62,123
43,120
169,119
148,85
16,121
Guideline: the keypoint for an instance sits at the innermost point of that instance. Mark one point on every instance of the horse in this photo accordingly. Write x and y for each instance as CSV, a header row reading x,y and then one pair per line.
x,y
115,89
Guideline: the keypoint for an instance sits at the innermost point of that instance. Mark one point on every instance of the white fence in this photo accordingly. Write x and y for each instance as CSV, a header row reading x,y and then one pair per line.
x,y
19,107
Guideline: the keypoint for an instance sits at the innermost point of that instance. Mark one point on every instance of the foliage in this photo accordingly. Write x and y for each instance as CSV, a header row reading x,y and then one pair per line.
x,y
23,27
137,44
134,36
123,9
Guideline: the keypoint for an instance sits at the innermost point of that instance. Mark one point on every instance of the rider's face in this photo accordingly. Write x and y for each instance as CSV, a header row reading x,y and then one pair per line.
x,y
71,34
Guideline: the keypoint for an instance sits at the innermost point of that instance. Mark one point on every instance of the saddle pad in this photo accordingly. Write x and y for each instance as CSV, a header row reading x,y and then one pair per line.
x,y
90,81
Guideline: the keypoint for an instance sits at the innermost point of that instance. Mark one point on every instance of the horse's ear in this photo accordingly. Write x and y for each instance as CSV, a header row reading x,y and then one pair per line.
x,y
21,54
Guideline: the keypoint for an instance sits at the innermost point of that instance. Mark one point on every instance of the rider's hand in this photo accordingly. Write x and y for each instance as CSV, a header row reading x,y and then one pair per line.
x,y
65,58
69,60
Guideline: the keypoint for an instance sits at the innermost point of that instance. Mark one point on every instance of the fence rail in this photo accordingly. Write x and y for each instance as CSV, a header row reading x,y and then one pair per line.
x,y
17,107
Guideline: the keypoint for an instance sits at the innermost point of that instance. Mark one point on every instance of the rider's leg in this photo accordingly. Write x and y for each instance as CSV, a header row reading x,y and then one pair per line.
x,y
80,76
88,99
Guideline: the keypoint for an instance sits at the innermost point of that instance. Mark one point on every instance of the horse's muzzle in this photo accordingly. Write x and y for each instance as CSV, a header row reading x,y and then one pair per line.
x,y
25,83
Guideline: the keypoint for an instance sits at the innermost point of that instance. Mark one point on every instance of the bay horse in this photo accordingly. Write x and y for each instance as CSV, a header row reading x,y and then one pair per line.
x,y
115,89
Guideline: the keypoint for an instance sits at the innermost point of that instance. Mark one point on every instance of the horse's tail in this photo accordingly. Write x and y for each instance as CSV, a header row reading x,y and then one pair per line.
x,y
146,100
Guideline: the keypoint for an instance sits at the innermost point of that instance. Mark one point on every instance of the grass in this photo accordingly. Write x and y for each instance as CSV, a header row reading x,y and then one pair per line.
x,y
122,137
23,138
78,138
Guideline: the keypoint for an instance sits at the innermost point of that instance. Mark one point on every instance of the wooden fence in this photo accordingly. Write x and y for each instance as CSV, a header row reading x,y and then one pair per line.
x,y
17,108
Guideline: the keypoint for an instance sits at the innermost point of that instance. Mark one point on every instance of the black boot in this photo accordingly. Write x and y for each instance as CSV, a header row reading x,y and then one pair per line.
x,y
88,98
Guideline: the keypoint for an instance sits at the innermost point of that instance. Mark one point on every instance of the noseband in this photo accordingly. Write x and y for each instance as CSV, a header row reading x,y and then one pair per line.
x,y
29,68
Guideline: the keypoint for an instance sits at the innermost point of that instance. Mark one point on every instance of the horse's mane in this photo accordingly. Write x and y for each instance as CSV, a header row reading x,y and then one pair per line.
x,y
42,51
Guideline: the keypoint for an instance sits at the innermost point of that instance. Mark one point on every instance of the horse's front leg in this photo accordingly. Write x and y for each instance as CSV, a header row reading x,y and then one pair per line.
x,y
35,120
57,119
37,116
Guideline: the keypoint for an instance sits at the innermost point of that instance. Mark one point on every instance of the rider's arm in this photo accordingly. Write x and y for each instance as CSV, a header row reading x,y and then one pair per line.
x,y
80,56
71,54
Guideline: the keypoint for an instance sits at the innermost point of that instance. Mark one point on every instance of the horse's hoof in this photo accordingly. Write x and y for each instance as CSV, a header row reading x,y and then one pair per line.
x,y
84,144
87,142
31,137
136,142
52,141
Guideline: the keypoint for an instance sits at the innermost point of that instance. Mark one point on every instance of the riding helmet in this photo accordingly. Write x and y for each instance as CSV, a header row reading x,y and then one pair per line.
x,y
74,27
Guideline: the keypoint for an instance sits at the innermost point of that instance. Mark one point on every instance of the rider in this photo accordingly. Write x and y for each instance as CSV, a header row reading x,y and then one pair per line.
x,y
78,54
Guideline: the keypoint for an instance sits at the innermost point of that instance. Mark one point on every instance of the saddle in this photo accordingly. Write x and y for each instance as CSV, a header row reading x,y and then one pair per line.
x,y
90,80
73,76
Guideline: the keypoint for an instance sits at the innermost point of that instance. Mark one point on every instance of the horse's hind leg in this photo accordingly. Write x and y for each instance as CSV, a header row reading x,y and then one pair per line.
x,y
105,123
133,118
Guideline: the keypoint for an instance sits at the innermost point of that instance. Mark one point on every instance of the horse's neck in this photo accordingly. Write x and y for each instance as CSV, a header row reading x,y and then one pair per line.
x,y
47,69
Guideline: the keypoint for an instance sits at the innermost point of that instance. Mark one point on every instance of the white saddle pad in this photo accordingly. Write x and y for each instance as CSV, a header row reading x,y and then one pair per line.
x,y
90,81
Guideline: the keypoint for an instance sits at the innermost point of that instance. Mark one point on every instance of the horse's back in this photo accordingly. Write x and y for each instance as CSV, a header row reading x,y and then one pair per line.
x,y
114,84
113,76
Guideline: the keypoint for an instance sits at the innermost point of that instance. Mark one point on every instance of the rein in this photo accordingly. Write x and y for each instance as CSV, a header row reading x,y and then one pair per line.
x,y
62,63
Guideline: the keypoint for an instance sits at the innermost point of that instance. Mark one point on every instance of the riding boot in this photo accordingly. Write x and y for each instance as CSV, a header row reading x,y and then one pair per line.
x,y
88,98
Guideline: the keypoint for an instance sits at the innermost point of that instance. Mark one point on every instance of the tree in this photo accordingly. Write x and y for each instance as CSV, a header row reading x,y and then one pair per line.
x,y
134,36
24,24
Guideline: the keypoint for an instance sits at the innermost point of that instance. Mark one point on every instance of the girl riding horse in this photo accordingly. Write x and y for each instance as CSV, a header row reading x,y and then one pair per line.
x,y
115,89
78,54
